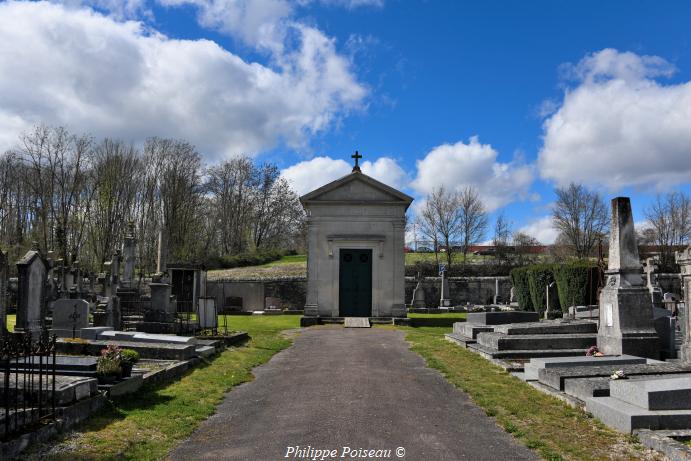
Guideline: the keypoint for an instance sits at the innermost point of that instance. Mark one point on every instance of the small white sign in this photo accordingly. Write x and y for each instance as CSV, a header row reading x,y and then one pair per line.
x,y
609,321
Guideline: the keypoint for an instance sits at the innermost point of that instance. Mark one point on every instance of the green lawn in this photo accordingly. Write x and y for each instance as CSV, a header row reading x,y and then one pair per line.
x,y
11,321
289,259
148,424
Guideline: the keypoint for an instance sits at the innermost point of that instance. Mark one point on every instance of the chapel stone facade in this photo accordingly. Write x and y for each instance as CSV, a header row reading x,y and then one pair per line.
x,y
355,238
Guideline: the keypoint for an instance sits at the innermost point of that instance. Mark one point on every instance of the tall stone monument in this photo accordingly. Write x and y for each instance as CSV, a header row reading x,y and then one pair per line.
x,y
684,260
626,313
129,253
31,287
445,297
418,301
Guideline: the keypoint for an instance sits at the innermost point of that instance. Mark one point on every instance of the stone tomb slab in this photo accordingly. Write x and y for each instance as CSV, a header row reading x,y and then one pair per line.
x,y
555,377
136,336
471,330
532,368
502,342
498,318
68,389
659,393
93,332
626,417
548,327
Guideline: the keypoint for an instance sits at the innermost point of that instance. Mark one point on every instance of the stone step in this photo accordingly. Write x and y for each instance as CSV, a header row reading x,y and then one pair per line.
x,y
498,318
547,328
625,417
516,354
501,342
460,339
205,351
532,368
356,322
470,330
660,393
556,377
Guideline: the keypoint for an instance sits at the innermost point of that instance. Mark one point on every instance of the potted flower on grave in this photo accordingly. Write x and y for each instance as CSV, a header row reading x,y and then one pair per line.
x,y
129,358
108,367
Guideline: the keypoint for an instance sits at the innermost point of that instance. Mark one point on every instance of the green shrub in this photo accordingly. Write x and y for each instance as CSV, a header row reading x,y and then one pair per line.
x,y
576,283
129,356
519,279
539,277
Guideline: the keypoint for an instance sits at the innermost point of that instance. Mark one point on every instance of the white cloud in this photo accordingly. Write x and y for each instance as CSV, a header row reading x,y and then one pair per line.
x,y
619,127
542,230
456,166
121,79
311,174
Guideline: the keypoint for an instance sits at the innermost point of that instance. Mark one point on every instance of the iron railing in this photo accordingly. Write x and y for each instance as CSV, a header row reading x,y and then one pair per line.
x,y
27,396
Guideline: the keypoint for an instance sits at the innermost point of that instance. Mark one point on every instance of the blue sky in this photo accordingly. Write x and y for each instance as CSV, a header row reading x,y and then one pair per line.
x,y
510,97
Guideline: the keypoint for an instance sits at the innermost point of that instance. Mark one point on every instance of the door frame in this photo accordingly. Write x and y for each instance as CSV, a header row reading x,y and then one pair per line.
x,y
362,243
370,254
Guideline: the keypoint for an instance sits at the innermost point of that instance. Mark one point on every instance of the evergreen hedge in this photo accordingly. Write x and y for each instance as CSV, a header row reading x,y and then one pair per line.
x,y
245,259
576,283
519,279
539,277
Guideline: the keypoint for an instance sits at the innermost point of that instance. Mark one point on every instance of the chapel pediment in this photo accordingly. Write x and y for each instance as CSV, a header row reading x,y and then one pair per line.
x,y
357,188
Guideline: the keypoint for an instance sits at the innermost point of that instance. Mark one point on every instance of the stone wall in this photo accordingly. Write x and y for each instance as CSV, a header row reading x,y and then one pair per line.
x,y
473,290
463,290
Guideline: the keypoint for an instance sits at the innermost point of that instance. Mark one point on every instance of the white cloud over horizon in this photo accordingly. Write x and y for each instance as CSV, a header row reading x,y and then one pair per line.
x,y
541,229
76,67
458,165
309,175
619,127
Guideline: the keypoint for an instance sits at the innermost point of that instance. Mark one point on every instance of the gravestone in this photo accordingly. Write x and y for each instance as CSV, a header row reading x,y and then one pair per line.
x,y
160,318
355,239
626,314
69,317
31,288
445,300
273,303
3,294
683,258
651,265
107,313
418,301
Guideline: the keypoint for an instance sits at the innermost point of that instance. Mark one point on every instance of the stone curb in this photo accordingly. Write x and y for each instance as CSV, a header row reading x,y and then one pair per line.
x,y
663,442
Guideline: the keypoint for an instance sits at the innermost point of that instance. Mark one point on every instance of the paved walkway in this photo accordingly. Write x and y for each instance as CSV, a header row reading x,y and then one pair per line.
x,y
358,388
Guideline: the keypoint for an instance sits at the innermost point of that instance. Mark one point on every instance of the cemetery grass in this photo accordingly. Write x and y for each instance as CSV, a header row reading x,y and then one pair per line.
x,y
541,422
148,424
11,321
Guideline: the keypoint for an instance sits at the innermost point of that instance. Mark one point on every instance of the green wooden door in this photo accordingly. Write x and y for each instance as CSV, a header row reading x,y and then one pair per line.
x,y
355,283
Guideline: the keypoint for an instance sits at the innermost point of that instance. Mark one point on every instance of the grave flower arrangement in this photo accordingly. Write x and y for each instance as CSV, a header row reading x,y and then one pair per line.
x,y
593,351
619,374
108,367
128,358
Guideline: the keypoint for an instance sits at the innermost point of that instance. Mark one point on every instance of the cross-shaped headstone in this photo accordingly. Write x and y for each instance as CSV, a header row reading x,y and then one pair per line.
x,y
74,317
649,269
357,157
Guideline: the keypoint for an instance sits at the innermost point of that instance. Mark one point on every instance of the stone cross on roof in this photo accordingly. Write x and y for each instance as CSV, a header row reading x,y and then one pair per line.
x,y
357,157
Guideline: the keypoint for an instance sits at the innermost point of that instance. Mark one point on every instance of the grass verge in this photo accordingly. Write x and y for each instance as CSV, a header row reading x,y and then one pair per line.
x,y
541,422
149,423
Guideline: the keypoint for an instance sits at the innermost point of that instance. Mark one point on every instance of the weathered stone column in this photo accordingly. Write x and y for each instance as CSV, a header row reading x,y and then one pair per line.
x,y
684,260
626,313
445,300
129,249
398,253
312,303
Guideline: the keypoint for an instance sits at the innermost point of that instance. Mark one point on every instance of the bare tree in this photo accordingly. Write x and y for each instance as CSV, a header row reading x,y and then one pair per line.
x,y
443,214
581,217
523,245
473,218
502,237
670,223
